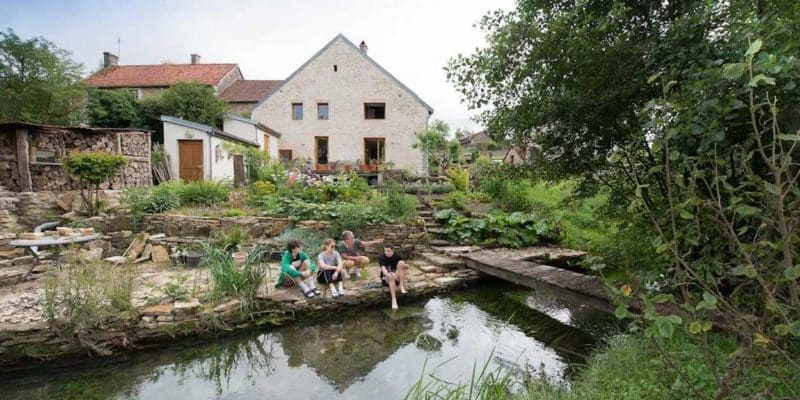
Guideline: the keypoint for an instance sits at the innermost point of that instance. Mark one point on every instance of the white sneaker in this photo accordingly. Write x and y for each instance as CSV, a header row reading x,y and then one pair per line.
x,y
345,274
357,274
334,293
342,292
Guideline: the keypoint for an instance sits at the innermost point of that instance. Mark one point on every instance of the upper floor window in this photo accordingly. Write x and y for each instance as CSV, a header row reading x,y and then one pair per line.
x,y
374,110
297,110
322,110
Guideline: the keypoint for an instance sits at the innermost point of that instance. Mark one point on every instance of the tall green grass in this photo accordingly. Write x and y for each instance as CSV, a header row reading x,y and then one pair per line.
x,y
484,384
229,279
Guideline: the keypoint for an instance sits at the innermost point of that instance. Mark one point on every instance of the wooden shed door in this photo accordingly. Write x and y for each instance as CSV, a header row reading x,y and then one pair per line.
x,y
190,160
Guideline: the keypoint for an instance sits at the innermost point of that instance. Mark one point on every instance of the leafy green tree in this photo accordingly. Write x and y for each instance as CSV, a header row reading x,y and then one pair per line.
x,y
38,81
113,108
435,144
194,102
93,169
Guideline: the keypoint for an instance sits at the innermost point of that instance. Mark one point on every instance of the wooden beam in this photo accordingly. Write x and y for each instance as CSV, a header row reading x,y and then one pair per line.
x,y
23,162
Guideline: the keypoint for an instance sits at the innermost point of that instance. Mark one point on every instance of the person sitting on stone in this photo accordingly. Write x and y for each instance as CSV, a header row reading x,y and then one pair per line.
x,y
350,248
393,272
296,264
330,267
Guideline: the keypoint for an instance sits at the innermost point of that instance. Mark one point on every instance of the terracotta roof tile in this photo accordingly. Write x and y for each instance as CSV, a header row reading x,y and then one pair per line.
x,y
159,75
248,90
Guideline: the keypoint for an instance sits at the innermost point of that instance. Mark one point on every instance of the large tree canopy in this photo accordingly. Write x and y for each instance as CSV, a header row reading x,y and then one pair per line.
x,y
38,81
571,76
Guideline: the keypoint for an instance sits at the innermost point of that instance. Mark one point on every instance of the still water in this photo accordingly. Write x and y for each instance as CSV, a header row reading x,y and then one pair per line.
x,y
363,355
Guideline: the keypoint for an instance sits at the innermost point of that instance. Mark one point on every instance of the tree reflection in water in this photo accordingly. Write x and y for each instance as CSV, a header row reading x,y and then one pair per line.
x,y
218,362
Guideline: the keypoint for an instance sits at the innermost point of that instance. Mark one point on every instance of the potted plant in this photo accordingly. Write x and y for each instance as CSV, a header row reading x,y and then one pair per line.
x,y
347,166
322,167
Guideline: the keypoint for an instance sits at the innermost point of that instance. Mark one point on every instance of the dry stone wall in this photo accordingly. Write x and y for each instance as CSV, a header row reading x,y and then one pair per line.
x,y
183,225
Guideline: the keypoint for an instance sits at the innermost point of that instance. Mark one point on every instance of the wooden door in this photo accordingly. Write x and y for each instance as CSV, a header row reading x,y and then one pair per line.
x,y
190,160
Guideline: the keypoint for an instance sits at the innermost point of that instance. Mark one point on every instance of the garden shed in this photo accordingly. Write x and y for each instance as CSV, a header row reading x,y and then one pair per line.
x,y
201,152
30,155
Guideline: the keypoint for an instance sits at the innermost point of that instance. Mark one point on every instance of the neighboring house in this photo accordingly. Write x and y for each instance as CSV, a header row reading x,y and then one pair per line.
x,y
243,95
253,131
30,155
513,157
199,152
476,141
151,80
342,107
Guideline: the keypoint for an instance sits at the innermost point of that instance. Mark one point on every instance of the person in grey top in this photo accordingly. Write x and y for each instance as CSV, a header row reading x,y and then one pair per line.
x,y
350,248
330,268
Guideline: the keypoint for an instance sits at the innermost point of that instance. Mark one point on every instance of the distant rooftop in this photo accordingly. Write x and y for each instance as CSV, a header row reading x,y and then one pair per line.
x,y
248,90
161,75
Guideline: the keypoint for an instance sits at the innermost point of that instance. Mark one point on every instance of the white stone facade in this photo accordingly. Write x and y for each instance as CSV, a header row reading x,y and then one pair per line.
x,y
345,78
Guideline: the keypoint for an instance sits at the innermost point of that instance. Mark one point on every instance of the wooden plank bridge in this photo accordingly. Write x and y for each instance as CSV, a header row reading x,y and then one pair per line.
x,y
523,267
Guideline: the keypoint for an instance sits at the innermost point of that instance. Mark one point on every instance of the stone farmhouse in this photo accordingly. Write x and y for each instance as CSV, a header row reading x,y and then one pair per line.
x,y
339,111
342,108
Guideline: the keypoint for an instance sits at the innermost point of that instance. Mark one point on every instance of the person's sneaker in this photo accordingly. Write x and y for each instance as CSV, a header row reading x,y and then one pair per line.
x,y
394,306
316,291
345,274
342,293
403,290
334,293
357,274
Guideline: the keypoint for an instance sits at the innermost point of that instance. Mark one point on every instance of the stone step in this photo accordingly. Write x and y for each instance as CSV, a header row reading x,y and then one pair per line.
x,y
454,250
436,231
425,213
443,261
432,225
439,242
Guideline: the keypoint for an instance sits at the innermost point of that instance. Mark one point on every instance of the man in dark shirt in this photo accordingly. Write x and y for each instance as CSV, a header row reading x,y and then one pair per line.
x,y
393,271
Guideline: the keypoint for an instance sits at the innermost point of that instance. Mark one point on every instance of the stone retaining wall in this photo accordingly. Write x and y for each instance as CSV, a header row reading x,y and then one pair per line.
x,y
22,211
185,225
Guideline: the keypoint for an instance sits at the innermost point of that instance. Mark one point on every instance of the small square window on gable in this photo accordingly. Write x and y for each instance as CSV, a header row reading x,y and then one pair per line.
x,y
374,110
297,111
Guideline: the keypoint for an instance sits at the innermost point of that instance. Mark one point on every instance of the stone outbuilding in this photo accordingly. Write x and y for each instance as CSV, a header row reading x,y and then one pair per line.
x,y
30,155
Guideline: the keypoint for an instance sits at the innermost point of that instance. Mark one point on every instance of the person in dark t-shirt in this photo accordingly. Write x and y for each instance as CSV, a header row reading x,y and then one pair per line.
x,y
393,272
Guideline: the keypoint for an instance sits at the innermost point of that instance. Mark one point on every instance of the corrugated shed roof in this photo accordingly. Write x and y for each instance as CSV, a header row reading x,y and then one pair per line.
x,y
159,75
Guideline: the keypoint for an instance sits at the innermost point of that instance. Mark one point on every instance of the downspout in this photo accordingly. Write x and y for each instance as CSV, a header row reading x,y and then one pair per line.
x,y
210,167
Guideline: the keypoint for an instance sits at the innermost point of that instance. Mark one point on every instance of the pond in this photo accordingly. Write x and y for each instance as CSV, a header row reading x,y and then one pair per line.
x,y
365,354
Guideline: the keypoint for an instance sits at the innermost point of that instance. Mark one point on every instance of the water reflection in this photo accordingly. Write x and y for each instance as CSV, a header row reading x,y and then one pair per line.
x,y
373,354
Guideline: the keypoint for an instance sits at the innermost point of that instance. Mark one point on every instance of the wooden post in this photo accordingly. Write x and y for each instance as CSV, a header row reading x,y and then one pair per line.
x,y
238,170
23,162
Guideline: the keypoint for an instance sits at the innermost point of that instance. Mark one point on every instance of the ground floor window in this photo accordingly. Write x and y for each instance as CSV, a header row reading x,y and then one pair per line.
x,y
285,156
374,150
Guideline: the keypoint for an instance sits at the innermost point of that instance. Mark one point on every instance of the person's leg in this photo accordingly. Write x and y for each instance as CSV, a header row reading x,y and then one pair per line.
x,y
402,267
306,266
360,263
392,291
302,286
348,267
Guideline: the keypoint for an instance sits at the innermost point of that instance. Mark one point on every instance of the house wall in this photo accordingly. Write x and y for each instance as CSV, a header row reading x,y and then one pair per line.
x,y
241,108
221,162
242,129
356,81
151,93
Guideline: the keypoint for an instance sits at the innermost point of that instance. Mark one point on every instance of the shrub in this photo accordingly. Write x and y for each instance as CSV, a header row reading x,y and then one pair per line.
x,y
428,188
207,193
458,177
311,239
510,230
230,239
164,197
234,212
457,200
398,205
81,296
93,169
228,279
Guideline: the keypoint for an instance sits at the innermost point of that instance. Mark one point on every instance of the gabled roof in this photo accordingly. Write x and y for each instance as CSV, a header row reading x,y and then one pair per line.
x,y
247,90
206,128
253,122
162,75
358,51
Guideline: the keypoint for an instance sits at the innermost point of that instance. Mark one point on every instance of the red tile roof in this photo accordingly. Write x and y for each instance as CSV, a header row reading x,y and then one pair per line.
x,y
248,90
159,75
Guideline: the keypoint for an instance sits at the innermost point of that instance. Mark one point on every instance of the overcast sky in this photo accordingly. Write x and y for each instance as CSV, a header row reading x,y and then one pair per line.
x,y
412,39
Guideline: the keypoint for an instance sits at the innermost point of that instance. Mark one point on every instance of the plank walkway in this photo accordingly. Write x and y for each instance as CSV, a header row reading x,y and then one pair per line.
x,y
532,274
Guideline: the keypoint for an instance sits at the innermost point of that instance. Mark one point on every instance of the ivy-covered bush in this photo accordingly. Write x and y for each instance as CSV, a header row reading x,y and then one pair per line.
x,y
93,169
509,230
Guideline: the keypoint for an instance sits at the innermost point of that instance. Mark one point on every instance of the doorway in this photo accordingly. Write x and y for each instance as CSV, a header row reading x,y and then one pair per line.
x,y
190,160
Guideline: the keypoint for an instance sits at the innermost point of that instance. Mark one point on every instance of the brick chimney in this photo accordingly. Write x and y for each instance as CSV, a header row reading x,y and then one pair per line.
x,y
195,58
109,60
363,47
